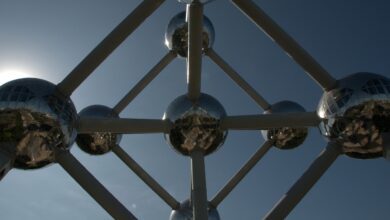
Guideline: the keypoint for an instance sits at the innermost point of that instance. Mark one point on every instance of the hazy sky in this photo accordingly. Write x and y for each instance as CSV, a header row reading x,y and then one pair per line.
x,y
48,39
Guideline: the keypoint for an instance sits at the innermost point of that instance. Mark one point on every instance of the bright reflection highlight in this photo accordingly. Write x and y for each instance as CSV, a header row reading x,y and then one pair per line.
x,y
7,75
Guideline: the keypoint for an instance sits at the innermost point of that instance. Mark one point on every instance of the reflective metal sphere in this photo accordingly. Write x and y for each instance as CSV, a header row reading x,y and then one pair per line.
x,y
176,35
286,137
35,118
201,1
357,113
98,143
185,212
196,126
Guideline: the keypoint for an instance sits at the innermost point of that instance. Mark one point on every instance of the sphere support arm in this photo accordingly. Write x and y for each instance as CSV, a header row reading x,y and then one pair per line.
x,y
236,179
195,39
305,183
238,79
137,89
122,125
94,188
144,176
289,45
107,46
268,121
198,186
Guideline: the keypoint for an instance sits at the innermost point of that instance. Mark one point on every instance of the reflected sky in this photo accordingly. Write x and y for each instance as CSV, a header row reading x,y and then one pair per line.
x,y
51,38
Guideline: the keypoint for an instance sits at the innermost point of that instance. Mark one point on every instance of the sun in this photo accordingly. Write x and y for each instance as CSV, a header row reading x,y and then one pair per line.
x,y
7,75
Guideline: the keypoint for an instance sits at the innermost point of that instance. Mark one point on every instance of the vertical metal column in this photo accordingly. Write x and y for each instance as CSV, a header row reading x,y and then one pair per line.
x,y
195,39
305,183
94,188
198,186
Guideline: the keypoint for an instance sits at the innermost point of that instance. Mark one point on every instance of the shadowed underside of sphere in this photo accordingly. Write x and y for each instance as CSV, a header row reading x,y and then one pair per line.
x,y
35,119
98,143
176,35
196,126
286,137
357,114
186,213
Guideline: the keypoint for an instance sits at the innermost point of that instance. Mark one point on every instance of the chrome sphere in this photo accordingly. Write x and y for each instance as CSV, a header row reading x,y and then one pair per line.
x,y
185,212
35,119
176,35
356,114
201,1
98,143
196,126
286,137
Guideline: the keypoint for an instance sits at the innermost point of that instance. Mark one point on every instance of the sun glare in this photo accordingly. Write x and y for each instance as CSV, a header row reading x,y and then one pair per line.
x,y
7,75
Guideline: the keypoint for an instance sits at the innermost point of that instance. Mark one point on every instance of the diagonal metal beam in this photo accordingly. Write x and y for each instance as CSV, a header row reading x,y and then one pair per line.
x,y
305,183
144,176
195,39
122,125
198,186
235,180
289,45
268,121
137,89
93,187
107,46
238,79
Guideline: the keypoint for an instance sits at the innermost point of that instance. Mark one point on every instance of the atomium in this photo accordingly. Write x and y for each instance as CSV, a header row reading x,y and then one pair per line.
x,y
35,119
176,35
356,114
196,126
286,137
98,143
185,212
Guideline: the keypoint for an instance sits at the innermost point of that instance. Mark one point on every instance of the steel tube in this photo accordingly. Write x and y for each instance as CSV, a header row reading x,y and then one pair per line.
x,y
144,81
268,121
107,46
198,186
122,125
194,60
289,45
235,180
238,79
93,187
305,183
144,176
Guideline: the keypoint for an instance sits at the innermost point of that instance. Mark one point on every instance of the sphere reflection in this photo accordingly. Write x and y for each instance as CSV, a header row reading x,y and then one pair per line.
x,y
98,143
357,113
286,137
176,35
196,126
185,212
35,118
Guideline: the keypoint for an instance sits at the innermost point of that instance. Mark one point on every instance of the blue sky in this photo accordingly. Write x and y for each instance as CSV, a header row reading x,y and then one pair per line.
x,y
48,39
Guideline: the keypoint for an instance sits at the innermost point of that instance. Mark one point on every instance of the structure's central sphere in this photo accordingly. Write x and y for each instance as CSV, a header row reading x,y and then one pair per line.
x,y
98,143
35,118
185,212
285,137
356,114
176,35
196,126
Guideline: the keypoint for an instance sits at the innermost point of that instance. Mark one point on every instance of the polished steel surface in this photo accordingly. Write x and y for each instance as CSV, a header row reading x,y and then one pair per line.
x,y
176,35
36,118
201,1
285,137
185,212
196,126
98,143
356,113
